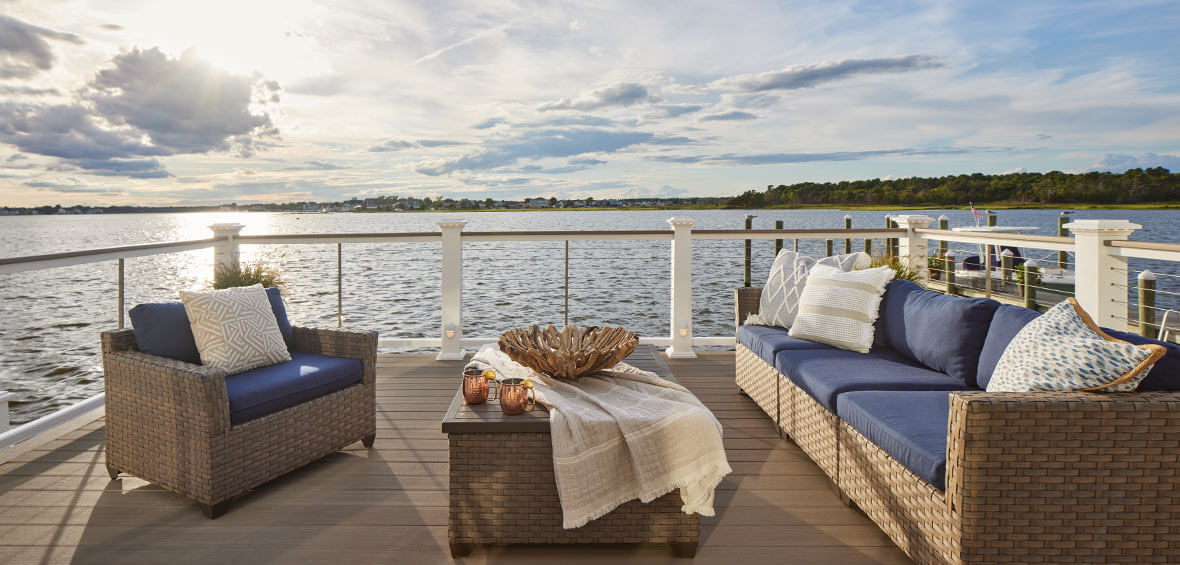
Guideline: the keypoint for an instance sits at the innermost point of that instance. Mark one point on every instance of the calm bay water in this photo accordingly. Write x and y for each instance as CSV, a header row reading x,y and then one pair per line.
x,y
50,319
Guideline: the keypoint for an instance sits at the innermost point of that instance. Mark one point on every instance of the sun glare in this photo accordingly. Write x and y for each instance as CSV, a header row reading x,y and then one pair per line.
x,y
267,36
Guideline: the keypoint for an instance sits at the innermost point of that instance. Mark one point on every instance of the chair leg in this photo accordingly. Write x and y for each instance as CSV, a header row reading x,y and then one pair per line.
x,y
684,549
113,472
213,510
461,549
368,440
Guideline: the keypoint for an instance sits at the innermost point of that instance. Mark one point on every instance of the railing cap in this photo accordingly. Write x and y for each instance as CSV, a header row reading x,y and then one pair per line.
x,y
444,224
1100,226
678,221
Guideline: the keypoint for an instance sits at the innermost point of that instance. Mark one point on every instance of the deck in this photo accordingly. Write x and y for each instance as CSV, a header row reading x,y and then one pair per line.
x,y
389,504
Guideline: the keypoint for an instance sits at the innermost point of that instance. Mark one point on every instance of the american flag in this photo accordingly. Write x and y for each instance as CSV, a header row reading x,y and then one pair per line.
x,y
975,212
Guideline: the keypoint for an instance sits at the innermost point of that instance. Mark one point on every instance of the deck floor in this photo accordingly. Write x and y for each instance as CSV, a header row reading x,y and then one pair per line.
x,y
389,504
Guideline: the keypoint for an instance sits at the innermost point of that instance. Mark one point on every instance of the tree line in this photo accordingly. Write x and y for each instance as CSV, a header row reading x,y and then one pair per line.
x,y
1055,187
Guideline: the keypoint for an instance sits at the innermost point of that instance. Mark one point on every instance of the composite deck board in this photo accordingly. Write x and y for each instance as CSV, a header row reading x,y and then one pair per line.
x,y
389,504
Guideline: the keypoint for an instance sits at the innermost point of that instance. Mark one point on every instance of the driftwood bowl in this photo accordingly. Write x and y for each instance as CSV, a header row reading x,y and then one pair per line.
x,y
570,352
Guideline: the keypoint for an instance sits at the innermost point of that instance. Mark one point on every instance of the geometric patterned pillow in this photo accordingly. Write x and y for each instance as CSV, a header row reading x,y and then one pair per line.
x,y
839,308
1064,349
235,328
779,303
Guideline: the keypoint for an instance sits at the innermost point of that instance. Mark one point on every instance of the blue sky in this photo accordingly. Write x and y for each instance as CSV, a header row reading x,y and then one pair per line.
x,y
157,102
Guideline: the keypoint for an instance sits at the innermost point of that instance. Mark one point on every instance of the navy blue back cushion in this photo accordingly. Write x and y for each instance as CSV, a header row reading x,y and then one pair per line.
x,y
944,333
162,328
1165,374
280,310
1007,322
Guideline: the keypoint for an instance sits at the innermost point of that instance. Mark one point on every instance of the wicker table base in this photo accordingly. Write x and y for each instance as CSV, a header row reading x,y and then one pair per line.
x,y
502,489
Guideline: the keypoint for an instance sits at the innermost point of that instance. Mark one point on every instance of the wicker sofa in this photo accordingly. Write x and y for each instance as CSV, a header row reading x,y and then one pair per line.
x,y
174,423
954,474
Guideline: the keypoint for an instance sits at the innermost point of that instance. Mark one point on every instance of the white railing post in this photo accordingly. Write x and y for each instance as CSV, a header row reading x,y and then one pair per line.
x,y
225,253
912,248
452,290
1100,278
4,422
681,289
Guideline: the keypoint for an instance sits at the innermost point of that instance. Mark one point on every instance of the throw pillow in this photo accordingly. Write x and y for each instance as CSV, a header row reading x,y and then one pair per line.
x,y
235,328
839,308
779,302
1063,349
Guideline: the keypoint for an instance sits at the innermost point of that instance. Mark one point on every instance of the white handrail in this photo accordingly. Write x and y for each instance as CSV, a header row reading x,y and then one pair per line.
x,y
43,424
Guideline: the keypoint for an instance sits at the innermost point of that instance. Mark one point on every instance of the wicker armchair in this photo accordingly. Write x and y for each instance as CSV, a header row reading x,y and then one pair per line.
x,y
168,422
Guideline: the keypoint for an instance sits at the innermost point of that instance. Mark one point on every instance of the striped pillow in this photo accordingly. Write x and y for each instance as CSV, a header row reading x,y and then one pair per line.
x,y
839,308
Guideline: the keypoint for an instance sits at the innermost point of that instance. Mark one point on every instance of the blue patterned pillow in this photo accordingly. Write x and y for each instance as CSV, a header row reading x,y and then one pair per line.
x,y
1064,349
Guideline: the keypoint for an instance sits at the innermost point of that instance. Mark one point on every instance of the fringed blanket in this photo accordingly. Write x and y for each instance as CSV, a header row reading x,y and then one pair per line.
x,y
623,434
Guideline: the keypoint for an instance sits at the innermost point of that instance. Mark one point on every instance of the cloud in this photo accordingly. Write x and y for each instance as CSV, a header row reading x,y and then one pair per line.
x,y
587,161
28,91
806,76
111,27
25,49
729,116
617,94
399,144
489,123
665,191
437,142
146,105
1123,163
185,105
675,110
315,166
791,158
72,188
535,145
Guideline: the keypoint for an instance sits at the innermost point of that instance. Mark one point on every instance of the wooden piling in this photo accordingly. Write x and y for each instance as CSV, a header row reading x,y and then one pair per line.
x,y
1147,304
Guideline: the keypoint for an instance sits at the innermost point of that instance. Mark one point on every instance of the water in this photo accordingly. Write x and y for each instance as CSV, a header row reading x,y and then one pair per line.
x,y
50,319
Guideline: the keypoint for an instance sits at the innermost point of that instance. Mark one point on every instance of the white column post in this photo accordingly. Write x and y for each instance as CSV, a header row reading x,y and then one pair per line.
x,y
225,253
4,397
1100,279
681,289
912,247
452,290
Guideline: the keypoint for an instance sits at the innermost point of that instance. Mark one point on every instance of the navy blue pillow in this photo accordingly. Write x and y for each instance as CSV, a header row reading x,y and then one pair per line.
x,y
1165,374
162,328
280,310
944,333
1007,322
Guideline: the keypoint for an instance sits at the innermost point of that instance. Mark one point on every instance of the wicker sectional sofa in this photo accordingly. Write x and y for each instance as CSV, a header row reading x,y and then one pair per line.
x,y
954,474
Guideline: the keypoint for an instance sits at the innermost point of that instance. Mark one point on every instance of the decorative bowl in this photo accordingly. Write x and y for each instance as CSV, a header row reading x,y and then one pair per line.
x,y
570,352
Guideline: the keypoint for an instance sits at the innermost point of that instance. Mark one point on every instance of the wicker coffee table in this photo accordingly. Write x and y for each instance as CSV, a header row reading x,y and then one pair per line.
x,y
503,492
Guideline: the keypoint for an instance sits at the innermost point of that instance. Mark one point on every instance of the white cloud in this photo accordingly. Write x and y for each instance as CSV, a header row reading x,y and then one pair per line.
x,y
1122,163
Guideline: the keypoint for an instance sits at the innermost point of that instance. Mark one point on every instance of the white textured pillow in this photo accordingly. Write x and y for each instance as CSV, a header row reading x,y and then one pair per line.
x,y
779,302
839,308
1063,349
235,328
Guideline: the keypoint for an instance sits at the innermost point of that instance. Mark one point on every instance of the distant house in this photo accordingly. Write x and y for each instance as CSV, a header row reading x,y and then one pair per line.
x,y
537,203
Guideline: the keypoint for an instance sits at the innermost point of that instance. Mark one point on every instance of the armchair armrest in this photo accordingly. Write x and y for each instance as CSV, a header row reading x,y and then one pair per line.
x,y
170,393
354,344
745,302
1107,464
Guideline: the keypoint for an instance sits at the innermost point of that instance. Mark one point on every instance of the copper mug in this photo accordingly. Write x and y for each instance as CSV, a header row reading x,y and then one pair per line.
x,y
517,396
477,384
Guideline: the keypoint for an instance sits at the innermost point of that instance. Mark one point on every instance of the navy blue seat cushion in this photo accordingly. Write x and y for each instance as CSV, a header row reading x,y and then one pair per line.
x,y
162,328
944,333
765,341
828,373
1165,374
265,390
280,310
911,426
1006,323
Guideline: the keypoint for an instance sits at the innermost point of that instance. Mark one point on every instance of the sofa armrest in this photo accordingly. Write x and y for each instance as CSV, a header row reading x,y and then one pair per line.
x,y
149,392
1107,464
745,302
354,344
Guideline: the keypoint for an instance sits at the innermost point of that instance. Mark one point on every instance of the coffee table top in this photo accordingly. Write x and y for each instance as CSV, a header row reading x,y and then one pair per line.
x,y
487,418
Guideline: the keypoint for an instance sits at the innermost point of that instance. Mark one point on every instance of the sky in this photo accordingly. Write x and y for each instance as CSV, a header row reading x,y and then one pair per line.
x,y
155,102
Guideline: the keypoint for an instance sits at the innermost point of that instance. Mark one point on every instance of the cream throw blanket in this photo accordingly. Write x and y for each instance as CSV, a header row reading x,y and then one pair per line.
x,y
623,434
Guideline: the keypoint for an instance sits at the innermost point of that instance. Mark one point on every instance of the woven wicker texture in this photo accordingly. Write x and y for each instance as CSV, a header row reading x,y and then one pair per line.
x,y
167,421
745,302
914,514
811,426
758,379
502,491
